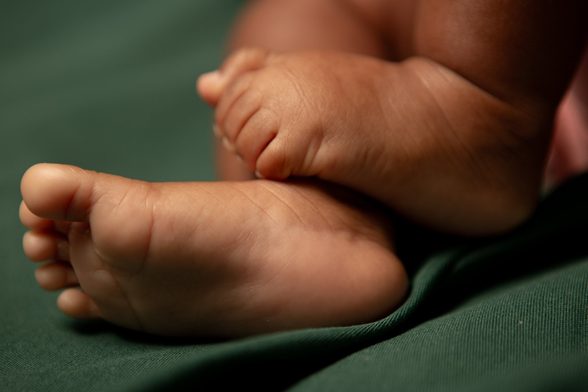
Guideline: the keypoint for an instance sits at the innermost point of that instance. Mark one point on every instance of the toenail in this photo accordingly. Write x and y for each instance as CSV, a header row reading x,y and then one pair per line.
x,y
216,130
213,77
228,145
259,175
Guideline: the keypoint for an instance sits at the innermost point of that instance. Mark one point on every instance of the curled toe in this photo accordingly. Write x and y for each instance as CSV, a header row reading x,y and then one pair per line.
x,y
44,245
56,275
32,221
75,303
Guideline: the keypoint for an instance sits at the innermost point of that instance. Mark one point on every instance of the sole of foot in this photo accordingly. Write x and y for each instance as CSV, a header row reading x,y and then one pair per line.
x,y
224,259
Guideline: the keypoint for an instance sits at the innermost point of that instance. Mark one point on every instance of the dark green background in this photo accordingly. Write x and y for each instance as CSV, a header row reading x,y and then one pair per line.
x,y
109,86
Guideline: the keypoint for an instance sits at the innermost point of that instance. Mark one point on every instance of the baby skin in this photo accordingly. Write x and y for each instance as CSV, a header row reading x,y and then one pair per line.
x,y
440,110
370,125
224,259
429,107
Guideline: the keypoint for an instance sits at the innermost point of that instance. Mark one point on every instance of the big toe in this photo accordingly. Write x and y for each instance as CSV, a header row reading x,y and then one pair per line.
x,y
61,192
57,192
211,85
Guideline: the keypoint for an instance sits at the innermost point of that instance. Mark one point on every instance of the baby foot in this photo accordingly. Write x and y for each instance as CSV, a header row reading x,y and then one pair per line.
x,y
414,135
297,114
208,259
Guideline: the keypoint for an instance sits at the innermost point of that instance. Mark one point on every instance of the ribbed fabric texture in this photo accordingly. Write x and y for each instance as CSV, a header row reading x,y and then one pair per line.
x,y
109,86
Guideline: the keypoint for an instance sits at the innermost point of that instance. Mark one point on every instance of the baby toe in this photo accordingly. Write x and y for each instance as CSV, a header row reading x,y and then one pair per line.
x,y
77,304
58,192
56,275
276,162
242,110
229,146
31,220
242,61
255,136
209,86
230,96
45,245
212,85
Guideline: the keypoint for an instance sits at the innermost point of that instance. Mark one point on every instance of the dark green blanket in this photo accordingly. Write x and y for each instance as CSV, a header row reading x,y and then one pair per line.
x,y
109,86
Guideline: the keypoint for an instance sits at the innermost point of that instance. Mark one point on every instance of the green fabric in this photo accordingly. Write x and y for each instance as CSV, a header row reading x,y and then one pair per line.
x,y
109,86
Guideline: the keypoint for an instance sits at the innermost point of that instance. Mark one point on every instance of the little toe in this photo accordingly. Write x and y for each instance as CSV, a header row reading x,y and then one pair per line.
x,y
277,161
77,304
232,94
255,136
45,245
31,220
56,275
242,110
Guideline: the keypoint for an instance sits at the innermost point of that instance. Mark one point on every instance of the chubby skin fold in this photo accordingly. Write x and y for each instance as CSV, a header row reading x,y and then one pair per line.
x,y
209,259
371,125
440,110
